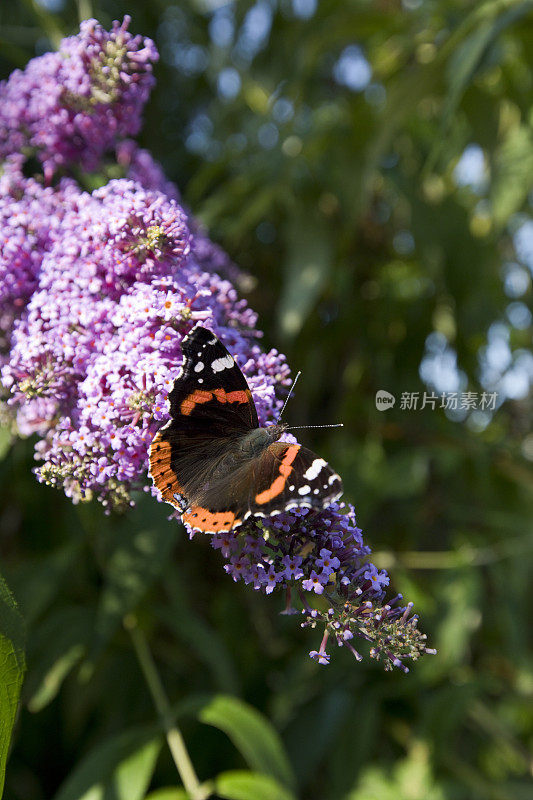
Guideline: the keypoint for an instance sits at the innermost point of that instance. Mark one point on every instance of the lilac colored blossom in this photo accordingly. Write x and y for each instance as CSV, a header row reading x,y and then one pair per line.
x,y
30,221
139,166
321,557
71,106
377,578
21,248
327,562
210,257
314,583
95,356
321,656
292,567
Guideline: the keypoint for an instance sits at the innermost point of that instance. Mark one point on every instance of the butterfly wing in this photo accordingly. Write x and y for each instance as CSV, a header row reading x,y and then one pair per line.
x,y
291,476
211,406
211,389
200,460
284,476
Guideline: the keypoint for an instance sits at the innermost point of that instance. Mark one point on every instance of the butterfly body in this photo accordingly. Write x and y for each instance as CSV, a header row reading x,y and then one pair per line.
x,y
257,440
214,463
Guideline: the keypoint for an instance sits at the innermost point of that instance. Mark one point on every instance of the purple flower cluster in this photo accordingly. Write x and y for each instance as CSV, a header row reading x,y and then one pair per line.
x,y
322,555
72,106
139,166
30,220
98,290
94,356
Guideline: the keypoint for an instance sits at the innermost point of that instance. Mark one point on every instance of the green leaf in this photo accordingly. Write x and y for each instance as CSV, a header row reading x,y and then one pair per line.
x,y
244,785
12,665
168,793
56,647
469,54
460,603
120,768
513,174
253,736
54,678
37,582
411,779
309,261
6,435
47,22
465,61
308,743
191,629
135,552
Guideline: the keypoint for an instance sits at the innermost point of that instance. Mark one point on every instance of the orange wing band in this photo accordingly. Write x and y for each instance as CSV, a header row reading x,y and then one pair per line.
x,y
200,396
210,521
163,476
278,485
194,399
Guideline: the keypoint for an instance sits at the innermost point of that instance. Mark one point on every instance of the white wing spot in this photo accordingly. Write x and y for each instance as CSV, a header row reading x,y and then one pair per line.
x,y
314,469
315,491
212,341
304,489
291,488
200,380
332,479
199,366
222,363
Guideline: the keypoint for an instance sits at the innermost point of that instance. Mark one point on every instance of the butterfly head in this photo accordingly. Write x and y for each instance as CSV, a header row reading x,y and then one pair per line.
x,y
259,439
275,431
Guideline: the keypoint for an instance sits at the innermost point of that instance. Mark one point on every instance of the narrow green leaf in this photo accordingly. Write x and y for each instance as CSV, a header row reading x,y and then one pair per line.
x,y
513,174
308,744
309,260
460,617
37,582
120,767
168,793
252,734
244,785
485,24
12,665
133,775
205,642
412,777
55,648
136,551
47,22
465,61
53,680
6,436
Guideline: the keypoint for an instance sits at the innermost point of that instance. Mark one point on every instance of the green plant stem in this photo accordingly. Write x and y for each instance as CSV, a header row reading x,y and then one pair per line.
x,y
85,10
174,738
465,556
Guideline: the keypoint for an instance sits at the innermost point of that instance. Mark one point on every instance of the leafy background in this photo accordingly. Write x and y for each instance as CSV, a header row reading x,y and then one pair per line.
x,y
368,164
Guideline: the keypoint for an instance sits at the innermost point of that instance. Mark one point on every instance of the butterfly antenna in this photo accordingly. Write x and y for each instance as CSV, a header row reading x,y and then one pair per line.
x,y
300,427
289,395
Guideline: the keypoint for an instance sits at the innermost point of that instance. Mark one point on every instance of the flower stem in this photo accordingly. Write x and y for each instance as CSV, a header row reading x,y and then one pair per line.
x,y
85,10
174,738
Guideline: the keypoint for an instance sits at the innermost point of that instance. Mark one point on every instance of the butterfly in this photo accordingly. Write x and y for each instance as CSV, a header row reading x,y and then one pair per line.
x,y
214,463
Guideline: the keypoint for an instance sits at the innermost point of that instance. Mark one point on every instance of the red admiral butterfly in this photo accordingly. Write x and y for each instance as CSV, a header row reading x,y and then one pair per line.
x,y
214,463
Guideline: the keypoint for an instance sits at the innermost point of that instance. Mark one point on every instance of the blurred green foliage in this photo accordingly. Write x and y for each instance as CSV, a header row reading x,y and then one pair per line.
x,y
339,192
